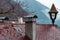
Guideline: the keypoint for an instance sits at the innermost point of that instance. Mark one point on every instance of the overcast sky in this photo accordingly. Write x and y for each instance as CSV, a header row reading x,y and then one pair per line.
x,y
48,3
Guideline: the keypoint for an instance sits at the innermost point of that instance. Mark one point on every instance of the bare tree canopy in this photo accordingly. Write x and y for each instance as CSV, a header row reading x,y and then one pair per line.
x,y
9,8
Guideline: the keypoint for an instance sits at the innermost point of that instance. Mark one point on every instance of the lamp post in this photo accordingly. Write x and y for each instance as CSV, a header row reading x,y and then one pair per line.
x,y
53,13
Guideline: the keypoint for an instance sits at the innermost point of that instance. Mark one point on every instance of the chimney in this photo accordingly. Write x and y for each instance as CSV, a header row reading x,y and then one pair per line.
x,y
20,20
30,26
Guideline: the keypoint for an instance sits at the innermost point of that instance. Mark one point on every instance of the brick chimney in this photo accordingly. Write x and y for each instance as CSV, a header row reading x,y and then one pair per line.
x,y
30,26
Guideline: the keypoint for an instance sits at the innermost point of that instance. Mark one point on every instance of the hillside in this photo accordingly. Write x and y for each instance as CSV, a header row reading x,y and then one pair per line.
x,y
32,6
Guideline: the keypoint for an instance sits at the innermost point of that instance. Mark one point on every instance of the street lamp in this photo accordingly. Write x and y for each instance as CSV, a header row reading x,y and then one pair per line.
x,y
53,13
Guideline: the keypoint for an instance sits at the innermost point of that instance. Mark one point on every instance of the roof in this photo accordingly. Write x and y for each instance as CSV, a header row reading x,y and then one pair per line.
x,y
10,16
44,32
53,9
4,18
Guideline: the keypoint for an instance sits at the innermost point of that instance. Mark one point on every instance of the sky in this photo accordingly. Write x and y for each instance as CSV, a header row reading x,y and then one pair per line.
x,y
49,3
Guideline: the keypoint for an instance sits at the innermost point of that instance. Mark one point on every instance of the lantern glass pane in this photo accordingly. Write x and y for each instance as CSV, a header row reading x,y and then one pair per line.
x,y
53,15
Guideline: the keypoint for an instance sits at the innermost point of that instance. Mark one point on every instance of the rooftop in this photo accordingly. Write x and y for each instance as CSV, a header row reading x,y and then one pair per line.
x,y
44,32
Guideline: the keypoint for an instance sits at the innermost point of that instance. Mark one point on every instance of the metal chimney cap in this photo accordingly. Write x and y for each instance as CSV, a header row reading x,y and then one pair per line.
x,y
31,16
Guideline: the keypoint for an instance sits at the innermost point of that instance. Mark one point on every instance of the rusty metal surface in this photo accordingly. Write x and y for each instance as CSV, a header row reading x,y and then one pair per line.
x,y
44,32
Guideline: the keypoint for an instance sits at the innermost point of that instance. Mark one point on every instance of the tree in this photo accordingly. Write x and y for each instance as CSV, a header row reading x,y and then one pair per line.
x,y
11,7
